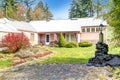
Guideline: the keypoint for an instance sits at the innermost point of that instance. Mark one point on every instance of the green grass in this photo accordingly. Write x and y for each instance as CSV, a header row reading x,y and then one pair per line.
x,y
5,63
74,55
6,60
70,55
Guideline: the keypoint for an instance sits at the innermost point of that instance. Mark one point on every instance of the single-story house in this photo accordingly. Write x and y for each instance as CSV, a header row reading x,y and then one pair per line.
x,y
81,29
13,26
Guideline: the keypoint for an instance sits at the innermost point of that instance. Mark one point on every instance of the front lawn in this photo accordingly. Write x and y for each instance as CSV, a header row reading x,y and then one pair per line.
x,y
70,55
74,55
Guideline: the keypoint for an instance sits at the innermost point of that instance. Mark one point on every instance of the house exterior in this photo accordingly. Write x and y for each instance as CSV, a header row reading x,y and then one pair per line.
x,y
82,29
12,26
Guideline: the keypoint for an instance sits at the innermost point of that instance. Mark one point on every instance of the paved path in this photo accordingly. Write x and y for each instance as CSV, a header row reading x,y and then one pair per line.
x,y
57,72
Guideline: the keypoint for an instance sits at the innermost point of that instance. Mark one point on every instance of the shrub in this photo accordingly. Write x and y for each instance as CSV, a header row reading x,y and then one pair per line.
x,y
15,41
85,44
53,43
24,53
62,41
71,45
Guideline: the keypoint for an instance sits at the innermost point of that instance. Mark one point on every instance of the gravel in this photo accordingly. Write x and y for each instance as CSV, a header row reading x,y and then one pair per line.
x,y
57,72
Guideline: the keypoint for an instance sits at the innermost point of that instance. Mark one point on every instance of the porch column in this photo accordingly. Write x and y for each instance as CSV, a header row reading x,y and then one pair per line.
x,y
55,36
78,37
36,38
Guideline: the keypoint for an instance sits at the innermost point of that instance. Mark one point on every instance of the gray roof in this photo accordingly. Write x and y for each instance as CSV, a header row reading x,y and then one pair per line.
x,y
5,27
12,26
65,25
22,26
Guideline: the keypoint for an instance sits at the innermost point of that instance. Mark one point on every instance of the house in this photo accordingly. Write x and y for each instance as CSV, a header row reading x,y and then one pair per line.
x,y
13,26
82,29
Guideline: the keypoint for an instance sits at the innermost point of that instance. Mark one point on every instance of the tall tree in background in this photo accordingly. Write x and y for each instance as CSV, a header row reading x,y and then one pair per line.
x,y
73,9
39,11
9,7
28,4
98,5
1,11
90,8
20,12
42,12
114,20
38,14
48,14
81,8
24,10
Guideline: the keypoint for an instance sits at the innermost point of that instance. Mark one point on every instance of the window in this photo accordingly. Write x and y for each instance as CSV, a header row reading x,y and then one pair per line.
x,y
88,29
83,29
92,29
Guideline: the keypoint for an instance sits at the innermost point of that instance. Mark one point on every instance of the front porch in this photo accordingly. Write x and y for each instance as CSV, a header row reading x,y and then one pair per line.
x,y
46,38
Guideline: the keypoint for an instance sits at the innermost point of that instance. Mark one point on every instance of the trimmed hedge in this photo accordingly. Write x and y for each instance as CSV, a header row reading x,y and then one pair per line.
x,y
71,45
85,44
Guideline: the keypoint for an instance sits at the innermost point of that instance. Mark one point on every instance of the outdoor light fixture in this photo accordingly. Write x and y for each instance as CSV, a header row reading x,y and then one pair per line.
x,y
101,34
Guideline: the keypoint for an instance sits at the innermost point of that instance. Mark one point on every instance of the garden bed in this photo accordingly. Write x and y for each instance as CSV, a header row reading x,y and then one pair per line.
x,y
23,56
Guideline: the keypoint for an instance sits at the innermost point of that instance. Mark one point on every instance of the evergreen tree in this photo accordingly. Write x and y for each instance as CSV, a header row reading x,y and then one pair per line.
x,y
114,20
20,12
28,4
42,12
81,8
48,14
62,41
98,7
9,7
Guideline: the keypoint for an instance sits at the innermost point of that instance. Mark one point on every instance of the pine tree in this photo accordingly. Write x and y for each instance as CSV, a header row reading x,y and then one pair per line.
x,y
81,8
9,8
48,14
98,7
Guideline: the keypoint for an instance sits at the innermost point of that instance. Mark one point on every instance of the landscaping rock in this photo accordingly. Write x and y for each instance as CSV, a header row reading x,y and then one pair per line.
x,y
102,58
114,62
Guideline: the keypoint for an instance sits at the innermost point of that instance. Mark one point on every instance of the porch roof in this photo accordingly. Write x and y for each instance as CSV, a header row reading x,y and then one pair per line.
x,y
68,25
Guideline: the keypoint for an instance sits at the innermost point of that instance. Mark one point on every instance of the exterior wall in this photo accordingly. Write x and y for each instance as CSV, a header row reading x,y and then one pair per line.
x,y
92,35
2,34
36,38
55,36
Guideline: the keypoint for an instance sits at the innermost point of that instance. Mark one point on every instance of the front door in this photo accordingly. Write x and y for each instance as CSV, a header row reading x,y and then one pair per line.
x,y
47,39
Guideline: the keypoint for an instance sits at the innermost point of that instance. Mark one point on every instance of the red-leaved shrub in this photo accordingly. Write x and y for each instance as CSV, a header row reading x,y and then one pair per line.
x,y
15,41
